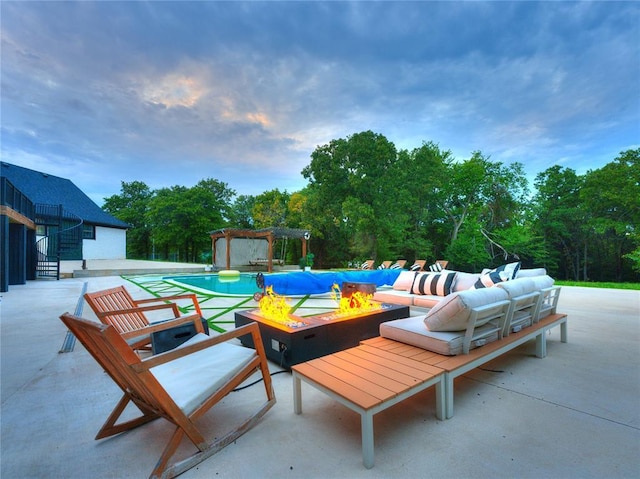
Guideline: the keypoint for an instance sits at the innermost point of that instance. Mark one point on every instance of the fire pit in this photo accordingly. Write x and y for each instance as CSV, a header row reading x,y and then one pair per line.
x,y
289,339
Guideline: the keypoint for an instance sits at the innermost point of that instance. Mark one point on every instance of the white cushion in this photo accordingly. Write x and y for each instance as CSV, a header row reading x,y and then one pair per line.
x,y
542,282
393,296
404,280
438,284
528,273
454,311
413,331
464,281
192,379
426,300
518,287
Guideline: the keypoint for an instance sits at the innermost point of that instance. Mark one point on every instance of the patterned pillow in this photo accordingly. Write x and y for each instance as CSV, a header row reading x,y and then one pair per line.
x,y
435,267
502,273
435,284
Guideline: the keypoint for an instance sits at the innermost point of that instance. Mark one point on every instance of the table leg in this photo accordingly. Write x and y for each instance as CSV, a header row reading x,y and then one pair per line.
x,y
297,394
367,439
448,395
441,412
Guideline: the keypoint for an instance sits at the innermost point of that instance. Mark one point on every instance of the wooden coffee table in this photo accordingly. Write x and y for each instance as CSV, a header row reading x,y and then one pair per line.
x,y
368,380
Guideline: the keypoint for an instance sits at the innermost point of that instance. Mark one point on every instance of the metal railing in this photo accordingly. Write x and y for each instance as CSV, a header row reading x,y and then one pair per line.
x,y
63,239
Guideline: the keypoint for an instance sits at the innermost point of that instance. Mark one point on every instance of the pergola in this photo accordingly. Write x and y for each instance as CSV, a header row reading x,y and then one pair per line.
x,y
270,234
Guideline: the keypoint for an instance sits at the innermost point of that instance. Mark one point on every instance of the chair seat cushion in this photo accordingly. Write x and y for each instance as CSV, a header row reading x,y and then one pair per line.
x,y
414,332
192,379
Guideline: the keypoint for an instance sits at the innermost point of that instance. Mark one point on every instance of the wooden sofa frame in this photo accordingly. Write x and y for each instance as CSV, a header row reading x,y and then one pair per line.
x,y
337,375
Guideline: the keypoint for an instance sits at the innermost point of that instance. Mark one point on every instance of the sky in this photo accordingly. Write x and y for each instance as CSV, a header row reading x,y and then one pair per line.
x,y
170,93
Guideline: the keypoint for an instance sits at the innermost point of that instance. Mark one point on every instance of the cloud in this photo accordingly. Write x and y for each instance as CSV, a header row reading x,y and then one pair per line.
x,y
173,92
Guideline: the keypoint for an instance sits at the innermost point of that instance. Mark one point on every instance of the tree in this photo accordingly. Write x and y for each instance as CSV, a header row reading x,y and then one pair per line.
x,y
241,212
183,217
611,195
353,186
131,207
560,220
270,209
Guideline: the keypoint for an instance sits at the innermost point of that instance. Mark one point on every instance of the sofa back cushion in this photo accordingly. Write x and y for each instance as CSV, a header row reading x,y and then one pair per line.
x,y
528,273
542,282
454,311
465,281
437,284
518,287
404,280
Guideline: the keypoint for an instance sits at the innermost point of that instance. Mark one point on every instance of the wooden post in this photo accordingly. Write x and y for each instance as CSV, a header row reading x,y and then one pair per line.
x,y
227,235
270,253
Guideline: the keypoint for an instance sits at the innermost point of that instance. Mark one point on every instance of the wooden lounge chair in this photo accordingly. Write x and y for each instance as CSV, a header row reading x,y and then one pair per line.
x,y
418,265
368,264
116,307
399,264
180,385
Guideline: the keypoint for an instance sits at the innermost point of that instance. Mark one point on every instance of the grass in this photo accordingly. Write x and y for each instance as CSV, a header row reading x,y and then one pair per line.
x,y
600,284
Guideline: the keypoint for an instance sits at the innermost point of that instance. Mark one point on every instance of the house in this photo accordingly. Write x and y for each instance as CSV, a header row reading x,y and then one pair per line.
x,y
45,219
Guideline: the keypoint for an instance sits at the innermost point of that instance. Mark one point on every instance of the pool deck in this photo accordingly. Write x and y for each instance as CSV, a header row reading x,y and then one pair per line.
x,y
573,414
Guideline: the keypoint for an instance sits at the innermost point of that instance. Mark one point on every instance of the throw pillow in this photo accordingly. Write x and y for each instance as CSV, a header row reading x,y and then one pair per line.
x,y
502,273
436,284
404,281
435,267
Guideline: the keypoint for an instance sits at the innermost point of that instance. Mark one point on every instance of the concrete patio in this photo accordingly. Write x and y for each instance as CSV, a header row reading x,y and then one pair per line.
x,y
573,414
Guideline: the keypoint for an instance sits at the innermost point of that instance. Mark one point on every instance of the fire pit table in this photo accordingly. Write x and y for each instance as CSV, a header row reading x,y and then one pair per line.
x,y
309,337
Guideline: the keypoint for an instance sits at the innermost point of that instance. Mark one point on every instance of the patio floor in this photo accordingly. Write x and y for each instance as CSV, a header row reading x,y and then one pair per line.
x,y
573,414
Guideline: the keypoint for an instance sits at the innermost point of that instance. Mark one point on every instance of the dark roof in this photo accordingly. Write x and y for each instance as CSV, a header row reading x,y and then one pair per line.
x,y
52,190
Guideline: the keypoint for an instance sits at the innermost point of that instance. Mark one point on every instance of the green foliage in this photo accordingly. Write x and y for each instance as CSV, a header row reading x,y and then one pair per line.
x,y
365,199
131,207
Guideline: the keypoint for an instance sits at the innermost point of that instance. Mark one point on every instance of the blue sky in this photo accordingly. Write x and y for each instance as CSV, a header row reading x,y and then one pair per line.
x,y
170,93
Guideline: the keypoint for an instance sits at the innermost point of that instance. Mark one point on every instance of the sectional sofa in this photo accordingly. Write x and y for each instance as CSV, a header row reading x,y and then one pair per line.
x,y
466,310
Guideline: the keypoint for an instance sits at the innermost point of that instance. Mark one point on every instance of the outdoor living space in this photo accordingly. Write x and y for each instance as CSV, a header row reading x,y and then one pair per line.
x,y
572,414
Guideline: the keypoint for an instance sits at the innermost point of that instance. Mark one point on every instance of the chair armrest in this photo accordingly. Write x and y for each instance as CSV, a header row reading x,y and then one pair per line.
x,y
167,324
141,309
153,361
190,296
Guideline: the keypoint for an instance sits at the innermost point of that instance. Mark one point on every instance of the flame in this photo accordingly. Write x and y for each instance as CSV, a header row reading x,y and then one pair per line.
x,y
358,302
275,307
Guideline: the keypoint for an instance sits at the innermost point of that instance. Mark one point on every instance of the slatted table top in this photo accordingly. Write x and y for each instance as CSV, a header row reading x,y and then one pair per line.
x,y
367,376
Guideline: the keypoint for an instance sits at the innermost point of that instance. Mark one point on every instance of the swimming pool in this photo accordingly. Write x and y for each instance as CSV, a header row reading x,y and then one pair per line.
x,y
291,283
243,284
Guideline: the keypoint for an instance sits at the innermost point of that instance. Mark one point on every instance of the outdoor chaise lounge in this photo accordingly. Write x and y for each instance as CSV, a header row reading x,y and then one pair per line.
x,y
179,385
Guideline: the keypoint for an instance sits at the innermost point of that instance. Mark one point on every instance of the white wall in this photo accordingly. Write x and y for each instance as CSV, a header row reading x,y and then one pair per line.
x,y
110,243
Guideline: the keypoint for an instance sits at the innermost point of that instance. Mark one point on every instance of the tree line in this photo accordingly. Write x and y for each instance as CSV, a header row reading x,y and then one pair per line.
x,y
365,199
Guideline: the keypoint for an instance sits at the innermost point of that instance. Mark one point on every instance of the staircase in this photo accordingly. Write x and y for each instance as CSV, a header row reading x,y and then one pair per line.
x,y
62,239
